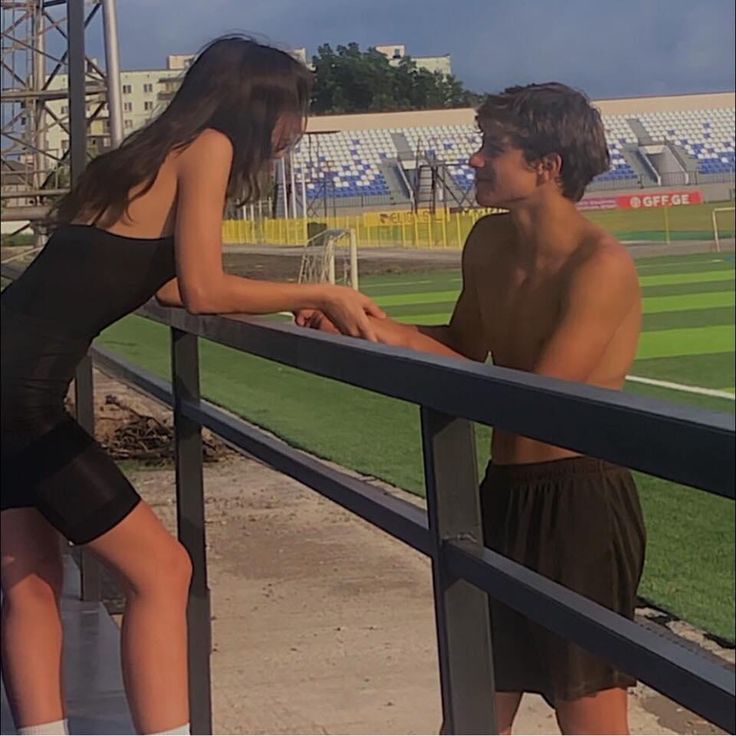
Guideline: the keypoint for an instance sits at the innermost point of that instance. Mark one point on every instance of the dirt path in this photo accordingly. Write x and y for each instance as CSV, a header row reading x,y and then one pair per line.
x,y
323,624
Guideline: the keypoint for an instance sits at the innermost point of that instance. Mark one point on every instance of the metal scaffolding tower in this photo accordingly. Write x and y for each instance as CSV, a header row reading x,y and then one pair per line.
x,y
44,60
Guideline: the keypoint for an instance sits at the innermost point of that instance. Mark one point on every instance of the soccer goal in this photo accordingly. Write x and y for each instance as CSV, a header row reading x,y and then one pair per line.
x,y
723,225
330,256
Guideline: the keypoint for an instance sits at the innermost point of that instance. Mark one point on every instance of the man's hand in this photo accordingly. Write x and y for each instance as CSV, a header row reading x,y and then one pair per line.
x,y
387,331
393,333
315,320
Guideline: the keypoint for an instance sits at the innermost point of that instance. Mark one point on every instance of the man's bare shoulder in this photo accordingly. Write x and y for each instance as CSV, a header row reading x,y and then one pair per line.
x,y
604,261
489,234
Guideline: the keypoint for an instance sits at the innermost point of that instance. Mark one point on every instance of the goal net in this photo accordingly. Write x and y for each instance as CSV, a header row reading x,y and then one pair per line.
x,y
330,256
723,226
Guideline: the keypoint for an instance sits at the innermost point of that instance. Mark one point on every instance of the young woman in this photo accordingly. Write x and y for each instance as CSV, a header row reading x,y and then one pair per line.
x,y
143,220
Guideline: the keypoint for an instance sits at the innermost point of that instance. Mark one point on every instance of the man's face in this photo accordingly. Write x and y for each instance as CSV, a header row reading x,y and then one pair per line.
x,y
502,174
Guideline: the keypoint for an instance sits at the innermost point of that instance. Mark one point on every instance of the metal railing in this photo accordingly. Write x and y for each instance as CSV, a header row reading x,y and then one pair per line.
x,y
682,444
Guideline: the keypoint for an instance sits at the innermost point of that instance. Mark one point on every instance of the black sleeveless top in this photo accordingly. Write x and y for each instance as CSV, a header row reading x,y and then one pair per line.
x,y
86,278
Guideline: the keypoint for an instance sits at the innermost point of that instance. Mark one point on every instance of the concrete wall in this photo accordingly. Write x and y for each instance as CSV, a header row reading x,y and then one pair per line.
x,y
466,116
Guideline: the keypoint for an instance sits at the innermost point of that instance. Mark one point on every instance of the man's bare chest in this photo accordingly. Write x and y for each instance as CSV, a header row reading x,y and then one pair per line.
x,y
519,314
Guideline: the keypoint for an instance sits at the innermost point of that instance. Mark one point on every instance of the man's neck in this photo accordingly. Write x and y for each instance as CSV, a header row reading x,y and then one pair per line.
x,y
549,229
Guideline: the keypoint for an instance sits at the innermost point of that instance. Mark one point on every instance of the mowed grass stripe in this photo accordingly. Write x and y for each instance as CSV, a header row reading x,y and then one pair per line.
x,y
411,309
681,271
686,278
645,269
712,370
652,322
713,403
429,297
438,317
697,287
447,286
686,341
435,318
427,292
695,259
681,302
688,318
389,291
400,283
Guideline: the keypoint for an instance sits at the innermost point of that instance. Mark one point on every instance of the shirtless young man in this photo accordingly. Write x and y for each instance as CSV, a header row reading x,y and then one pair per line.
x,y
546,291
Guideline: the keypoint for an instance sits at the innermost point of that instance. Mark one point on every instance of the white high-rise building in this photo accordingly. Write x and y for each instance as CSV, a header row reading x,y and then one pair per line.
x,y
144,93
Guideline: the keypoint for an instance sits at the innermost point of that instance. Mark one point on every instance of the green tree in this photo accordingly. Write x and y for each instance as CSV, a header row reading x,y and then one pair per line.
x,y
349,80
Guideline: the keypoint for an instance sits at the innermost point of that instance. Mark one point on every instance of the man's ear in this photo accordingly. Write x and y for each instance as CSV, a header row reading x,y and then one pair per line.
x,y
549,167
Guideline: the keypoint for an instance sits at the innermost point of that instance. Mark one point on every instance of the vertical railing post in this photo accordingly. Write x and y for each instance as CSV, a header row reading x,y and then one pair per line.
x,y
461,609
89,567
190,525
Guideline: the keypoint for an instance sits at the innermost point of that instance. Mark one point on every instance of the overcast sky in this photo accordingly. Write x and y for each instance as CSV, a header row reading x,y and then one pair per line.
x,y
610,48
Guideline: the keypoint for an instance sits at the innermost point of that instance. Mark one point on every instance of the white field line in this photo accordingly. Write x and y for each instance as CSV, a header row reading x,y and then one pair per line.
x,y
682,387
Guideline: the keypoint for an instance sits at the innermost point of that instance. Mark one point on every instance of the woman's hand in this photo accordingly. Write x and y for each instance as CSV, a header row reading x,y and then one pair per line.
x,y
348,311
386,331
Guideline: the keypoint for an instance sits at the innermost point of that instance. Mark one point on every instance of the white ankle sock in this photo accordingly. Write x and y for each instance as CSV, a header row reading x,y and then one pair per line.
x,y
178,731
55,728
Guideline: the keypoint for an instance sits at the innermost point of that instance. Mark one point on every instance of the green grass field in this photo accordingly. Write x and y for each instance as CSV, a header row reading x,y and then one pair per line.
x,y
692,222
688,339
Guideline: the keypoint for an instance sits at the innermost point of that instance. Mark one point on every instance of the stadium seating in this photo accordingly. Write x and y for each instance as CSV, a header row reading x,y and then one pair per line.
x,y
707,135
450,144
618,135
348,163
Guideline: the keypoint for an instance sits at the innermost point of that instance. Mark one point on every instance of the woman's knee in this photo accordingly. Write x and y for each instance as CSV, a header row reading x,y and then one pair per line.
x,y
145,557
178,565
37,587
31,564
168,573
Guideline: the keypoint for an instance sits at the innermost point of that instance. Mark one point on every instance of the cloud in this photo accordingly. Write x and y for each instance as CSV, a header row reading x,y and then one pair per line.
x,y
622,48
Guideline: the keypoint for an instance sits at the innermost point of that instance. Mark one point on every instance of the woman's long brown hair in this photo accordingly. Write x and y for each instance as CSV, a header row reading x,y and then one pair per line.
x,y
237,86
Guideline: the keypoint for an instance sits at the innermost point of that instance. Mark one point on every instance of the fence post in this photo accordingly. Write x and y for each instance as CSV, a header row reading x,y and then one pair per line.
x,y
190,526
461,609
90,577
89,567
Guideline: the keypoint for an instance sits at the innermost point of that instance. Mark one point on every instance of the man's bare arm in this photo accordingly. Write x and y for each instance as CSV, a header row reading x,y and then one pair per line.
x,y
463,337
602,294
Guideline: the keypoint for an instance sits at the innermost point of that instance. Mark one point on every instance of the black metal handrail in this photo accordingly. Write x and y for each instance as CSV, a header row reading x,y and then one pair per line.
x,y
679,443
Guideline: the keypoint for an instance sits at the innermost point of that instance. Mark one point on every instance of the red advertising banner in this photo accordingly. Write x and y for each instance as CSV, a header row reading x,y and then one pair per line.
x,y
643,201
598,203
665,199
